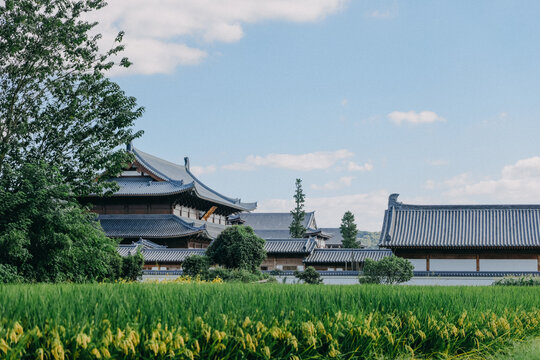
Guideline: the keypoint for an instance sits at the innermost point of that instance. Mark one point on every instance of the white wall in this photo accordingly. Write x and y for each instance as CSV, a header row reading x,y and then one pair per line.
x,y
508,265
452,265
419,264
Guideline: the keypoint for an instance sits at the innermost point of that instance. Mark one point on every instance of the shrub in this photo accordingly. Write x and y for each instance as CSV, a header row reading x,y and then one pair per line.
x,y
236,275
309,276
8,274
132,266
196,265
390,270
518,281
237,247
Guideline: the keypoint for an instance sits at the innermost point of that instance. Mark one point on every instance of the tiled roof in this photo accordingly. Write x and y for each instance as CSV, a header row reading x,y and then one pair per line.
x,y
325,256
460,226
148,226
290,246
146,186
147,244
274,221
127,250
181,176
169,255
212,229
336,238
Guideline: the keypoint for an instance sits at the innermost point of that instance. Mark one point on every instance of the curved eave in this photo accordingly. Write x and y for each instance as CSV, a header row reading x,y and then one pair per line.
x,y
129,236
524,247
232,205
223,200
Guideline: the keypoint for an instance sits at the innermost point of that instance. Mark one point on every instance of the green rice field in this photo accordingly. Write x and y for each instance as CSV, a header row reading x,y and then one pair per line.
x,y
262,321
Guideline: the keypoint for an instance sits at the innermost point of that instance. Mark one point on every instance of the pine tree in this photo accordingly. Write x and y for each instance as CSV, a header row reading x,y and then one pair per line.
x,y
297,229
349,231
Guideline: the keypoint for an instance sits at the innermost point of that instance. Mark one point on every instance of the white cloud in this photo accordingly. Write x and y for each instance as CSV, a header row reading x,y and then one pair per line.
x,y
517,183
413,117
157,31
352,166
334,185
303,162
200,170
368,208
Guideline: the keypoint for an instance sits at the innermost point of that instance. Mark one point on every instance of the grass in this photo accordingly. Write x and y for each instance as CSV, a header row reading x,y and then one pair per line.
x,y
263,321
525,350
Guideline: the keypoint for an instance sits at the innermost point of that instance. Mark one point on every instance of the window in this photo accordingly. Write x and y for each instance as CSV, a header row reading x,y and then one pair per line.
x,y
264,267
155,267
339,269
330,269
289,267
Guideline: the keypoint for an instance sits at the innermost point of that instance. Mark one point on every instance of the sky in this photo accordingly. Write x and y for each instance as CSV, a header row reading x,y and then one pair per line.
x,y
437,101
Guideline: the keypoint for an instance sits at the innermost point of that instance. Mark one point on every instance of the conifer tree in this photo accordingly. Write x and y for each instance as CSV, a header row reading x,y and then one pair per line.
x,y
349,231
297,229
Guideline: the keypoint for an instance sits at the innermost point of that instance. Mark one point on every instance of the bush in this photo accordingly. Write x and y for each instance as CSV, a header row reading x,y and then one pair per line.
x,y
132,266
390,270
236,275
518,281
309,276
196,265
237,247
8,274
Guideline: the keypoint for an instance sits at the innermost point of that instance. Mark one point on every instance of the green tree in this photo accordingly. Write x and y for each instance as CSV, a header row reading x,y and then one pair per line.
x,y
132,266
196,265
45,235
56,103
297,229
237,247
309,276
390,270
348,230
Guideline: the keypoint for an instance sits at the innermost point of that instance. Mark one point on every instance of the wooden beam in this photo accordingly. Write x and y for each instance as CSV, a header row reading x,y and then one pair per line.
x,y
477,262
209,212
427,263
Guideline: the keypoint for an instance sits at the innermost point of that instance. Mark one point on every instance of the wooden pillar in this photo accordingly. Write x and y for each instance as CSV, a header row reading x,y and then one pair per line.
x,y
477,262
427,262
538,262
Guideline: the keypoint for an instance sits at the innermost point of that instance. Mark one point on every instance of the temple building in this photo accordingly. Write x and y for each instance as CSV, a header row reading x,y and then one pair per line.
x,y
466,238
165,202
336,239
282,254
271,226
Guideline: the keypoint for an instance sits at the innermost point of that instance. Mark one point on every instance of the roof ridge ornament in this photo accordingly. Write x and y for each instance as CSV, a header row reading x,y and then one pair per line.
x,y
129,147
392,200
186,162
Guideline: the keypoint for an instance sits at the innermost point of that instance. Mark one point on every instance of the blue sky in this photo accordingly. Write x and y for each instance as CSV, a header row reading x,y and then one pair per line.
x,y
437,101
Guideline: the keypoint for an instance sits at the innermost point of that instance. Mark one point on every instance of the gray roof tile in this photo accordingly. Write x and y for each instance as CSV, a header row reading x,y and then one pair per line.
x,y
325,256
460,226
290,246
169,255
148,226
182,176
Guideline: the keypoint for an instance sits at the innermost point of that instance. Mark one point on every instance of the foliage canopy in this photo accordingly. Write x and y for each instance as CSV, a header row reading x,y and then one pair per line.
x,y
349,231
297,229
390,270
237,247
309,275
56,104
45,235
